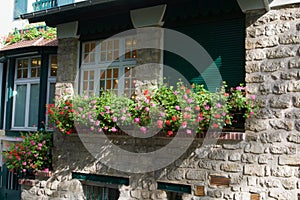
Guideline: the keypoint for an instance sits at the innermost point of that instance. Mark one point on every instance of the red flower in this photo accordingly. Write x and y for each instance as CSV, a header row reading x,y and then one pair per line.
x,y
217,116
215,125
174,118
61,112
146,92
170,133
168,123
188,91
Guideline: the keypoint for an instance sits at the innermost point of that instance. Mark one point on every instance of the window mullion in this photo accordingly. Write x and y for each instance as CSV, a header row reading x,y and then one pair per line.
x,y
27,105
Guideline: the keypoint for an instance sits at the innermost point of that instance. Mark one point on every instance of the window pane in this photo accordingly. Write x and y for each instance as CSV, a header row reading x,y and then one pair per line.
x,y
86,75
53,71
92,75
34,105
116,73
86,48
109,73
20,103
52,93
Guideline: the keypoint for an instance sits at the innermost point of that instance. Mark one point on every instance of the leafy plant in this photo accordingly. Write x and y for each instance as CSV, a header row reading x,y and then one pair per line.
x,y
31,154
30,34
165,109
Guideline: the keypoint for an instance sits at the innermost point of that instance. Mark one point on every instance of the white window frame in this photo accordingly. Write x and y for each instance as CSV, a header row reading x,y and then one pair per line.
x,y
28,82
99,65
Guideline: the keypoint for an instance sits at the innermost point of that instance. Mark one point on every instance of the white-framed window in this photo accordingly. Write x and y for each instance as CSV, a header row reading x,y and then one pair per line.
x,y
108,65
26,93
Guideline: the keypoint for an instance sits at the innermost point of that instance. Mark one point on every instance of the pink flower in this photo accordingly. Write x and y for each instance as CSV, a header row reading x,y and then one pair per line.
x,y
80,109
66,107
39,148
147,101
92,128
253,97
107,107
188,131
177,107
10,157
200,119
123,118
184,124
147,109
46,170
136,120
206,107
175,92
36,155
32,142
40,144
153,104
99,130
218,105
18,158
197,108
24,163
190,100
97,123
143,129
162,114
23,170
251,113
105,128
93,101
113,129
114,119
188,108
240,88
83,116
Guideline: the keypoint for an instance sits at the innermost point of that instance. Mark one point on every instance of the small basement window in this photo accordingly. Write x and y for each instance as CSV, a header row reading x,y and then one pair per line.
x,y
102,187
174,191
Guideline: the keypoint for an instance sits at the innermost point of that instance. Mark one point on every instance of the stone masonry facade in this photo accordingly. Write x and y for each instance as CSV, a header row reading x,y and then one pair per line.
x,y
266,165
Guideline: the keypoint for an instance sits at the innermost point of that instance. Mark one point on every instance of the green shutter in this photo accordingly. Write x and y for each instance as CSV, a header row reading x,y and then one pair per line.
x,y
20,8
224,41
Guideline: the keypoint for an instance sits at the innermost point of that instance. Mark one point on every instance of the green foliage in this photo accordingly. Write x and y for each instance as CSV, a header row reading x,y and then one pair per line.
x,y
32,153
30,34
165,109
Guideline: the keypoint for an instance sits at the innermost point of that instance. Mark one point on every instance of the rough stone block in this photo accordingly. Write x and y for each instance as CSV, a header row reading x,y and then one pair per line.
x,y
289,39
289,184
294,86
272,183
293,114
199,175
267,42
263,159
270,137
249,158
254,78
282,124
281,102
254,170
282,171
292,160
256,148
234,157
280,88
252,67
257,54
272,66
207,164
294,137
291,75
251,181
294,63
231,167
176,174
257,125
218,155
281,52
278,194
296,101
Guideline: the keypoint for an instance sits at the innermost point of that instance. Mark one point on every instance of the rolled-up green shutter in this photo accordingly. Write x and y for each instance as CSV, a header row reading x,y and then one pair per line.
x,y
223,40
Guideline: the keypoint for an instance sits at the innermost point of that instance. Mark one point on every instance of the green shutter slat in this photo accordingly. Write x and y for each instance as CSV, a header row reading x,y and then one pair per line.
x,y
101,178
224,39
174,187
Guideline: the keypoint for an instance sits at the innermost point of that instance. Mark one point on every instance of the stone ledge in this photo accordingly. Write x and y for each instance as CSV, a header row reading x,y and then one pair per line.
x,y
27,182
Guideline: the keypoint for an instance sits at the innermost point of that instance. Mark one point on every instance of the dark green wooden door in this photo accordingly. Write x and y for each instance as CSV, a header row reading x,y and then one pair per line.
x,y
9,188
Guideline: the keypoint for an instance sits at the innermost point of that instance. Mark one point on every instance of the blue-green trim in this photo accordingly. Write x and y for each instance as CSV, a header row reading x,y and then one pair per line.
x,y
101,178
2,90
43,90
174,187
10,89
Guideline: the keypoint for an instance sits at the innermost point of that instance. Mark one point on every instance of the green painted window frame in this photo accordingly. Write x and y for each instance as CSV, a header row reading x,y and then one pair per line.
x,y
172,187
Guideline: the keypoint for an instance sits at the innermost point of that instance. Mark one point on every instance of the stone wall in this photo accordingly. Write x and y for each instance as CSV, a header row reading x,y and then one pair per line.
x,y
265,164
